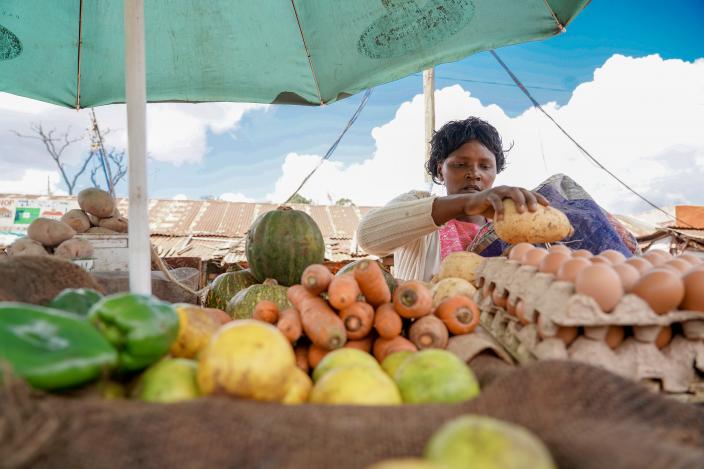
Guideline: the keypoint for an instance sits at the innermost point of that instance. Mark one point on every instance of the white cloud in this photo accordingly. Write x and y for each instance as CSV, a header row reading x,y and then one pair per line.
x,y
33,181
641,117
180,197
235,197
176,133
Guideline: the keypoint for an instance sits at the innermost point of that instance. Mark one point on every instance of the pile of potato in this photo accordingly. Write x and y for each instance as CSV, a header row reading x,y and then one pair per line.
x,y
98,214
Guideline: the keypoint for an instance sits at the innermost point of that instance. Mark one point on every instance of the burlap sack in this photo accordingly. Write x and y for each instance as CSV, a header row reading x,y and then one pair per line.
x,y
589,418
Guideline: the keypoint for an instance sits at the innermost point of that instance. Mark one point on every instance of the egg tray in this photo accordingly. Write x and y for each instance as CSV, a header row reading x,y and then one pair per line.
x,y
676,369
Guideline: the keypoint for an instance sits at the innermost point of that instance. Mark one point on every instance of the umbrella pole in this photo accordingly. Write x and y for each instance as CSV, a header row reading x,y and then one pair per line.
x,y
136,99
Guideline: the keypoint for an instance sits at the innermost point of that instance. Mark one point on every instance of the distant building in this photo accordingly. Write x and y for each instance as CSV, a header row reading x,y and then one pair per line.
x,y
212,230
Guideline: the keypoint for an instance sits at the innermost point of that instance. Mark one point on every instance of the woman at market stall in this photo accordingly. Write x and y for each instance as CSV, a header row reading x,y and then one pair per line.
x,y
465,157
421,229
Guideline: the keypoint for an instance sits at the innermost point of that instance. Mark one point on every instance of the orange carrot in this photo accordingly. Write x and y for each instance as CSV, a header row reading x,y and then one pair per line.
x,y
459,313
387,322
365,345
358,318
428,332
290,324
297,295
316,278
372,283
301,352
266,311
322,326
315,354
384,347
412,299
343,291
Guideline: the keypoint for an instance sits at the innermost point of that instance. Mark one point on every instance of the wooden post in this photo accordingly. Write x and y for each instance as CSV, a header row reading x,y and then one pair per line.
x,y
429,93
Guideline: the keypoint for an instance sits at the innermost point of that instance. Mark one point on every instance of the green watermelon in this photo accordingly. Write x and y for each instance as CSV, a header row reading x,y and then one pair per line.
x,y
390,280
281,243
227,285
242,305
76,300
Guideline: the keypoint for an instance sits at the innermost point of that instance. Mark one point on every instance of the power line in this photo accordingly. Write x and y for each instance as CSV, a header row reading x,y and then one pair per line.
x,y
332,148
581,148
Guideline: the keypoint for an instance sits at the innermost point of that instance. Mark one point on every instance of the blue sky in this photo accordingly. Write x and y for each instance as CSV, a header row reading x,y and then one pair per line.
x,y
248,159
252,162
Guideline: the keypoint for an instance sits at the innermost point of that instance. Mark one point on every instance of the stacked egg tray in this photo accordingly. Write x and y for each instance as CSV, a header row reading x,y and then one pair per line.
x,y
550,307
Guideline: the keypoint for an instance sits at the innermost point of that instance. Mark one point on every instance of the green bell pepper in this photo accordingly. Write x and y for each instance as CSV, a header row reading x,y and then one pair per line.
x,y
76,300
141,327
52,349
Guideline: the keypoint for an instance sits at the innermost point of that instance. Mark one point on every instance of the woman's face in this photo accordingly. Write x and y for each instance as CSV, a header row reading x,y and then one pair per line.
x,y
470,168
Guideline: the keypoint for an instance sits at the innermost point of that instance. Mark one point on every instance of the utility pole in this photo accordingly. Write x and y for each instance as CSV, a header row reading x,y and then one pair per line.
x,y
429,93
97,145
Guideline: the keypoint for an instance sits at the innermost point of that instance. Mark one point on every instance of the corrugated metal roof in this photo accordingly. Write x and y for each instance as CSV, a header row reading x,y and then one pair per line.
x,y
214,228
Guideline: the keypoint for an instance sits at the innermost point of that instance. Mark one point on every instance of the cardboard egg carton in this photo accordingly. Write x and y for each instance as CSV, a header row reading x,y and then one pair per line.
x,y
549,304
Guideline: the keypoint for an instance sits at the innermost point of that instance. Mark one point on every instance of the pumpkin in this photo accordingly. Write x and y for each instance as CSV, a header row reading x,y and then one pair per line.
x,y
281,243
241,306
227,285
390,280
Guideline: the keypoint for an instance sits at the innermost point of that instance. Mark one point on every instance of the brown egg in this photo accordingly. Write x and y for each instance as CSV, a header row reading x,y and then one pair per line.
x,y
511,307
569,270
614,336
520,312
602,283
488,289
640,263
661,288
518,251
567,334
552,262
677,265
691,258
629,275
657,257
581,253
499,300
600,260
613,255
534,256
560,248
693,290
664,337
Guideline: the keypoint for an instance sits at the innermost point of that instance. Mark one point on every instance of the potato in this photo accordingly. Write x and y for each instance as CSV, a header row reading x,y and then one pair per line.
x,y
546,225
460,265
96,202
118,224
74,248
26,247
49,232
100,230
76,219
94,221
451,286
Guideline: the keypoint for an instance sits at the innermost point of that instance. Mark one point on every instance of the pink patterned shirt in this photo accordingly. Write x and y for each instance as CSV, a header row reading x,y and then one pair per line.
x,y
456,236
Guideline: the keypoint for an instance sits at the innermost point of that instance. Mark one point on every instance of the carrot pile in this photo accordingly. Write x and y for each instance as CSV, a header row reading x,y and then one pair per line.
x,y
357,310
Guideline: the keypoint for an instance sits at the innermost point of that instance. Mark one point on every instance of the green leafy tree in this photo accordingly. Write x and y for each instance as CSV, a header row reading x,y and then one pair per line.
x,y
299,199
345,202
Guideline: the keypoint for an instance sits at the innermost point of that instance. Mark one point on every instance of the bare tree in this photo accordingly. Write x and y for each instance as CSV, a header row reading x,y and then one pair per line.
x,y
115,161
55,146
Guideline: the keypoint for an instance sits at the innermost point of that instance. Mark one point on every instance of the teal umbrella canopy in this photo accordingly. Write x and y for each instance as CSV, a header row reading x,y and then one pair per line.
x,y
71,52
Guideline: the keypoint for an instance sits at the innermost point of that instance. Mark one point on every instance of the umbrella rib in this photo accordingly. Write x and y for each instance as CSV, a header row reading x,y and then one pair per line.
x,y
80,43
305,46
554,16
